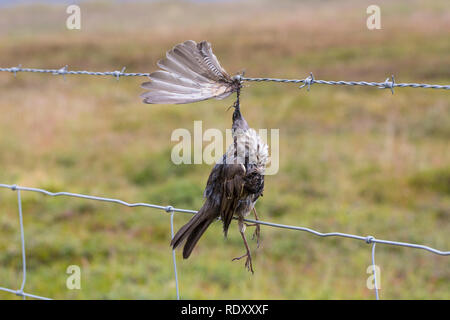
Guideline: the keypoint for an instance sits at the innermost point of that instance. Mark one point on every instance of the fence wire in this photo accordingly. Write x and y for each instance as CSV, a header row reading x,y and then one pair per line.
x,y
170,209
307,82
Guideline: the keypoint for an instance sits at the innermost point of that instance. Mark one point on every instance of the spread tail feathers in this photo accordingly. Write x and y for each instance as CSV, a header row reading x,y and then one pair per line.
x,y
192,231
190,72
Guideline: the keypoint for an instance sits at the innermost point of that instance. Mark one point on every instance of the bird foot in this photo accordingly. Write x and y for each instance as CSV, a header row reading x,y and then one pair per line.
x,y
256,233
248,261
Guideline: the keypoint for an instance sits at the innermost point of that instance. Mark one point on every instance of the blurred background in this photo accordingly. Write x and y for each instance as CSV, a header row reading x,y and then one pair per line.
x,y
352,159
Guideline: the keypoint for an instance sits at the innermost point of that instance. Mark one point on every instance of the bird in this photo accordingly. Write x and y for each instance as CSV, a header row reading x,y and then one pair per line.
x,y
232,190
191,72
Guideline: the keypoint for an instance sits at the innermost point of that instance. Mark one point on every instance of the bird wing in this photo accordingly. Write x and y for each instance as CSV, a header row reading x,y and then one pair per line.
x,y
232,192
190,72
224,189
225,183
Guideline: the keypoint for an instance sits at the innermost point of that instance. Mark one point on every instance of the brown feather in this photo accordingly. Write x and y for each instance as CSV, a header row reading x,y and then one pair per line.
x,y
194,229
232,188
194,236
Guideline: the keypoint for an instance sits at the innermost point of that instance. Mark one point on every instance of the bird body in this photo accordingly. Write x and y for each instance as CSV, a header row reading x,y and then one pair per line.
x,y
234,185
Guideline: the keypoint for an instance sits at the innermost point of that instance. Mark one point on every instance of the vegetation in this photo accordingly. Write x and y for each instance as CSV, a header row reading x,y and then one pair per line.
x,y
354,160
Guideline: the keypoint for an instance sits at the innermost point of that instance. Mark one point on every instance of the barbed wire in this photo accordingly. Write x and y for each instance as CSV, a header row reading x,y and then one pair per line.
x,y
170,209
389,83
64,70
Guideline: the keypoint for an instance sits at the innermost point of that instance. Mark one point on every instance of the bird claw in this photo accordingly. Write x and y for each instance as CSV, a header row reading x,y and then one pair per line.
x,y
248,261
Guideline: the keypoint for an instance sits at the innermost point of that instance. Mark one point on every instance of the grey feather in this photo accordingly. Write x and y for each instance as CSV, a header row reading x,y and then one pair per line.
x,y
190,72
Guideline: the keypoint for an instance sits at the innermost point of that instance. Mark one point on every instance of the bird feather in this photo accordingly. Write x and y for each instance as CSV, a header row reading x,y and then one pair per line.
x,y
190,72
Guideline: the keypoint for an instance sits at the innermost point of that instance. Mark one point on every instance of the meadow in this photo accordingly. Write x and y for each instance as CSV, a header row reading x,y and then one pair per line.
x,y
352,159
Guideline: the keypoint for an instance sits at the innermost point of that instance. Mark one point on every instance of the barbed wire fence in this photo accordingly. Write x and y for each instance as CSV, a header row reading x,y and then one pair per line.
x,y
307,82
389,83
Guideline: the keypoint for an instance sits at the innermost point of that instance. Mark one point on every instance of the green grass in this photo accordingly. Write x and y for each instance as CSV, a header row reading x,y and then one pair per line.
x,y
354,160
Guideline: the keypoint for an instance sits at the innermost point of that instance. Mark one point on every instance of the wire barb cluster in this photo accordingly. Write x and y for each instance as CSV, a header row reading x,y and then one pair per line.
x,y
308,81
169,209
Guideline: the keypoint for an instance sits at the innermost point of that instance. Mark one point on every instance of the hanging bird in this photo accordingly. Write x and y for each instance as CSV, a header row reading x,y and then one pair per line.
x,y
192,73
234,185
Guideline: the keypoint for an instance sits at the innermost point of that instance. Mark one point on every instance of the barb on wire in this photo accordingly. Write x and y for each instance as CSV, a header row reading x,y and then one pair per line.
x,y
62,71
15,69
169,209
389,84
308,81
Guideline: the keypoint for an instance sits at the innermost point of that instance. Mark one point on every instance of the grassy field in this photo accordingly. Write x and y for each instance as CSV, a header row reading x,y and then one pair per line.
x,y
354,160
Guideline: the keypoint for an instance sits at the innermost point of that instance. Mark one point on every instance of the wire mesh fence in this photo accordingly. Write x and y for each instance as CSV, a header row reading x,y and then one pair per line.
x,y
307,82
170,209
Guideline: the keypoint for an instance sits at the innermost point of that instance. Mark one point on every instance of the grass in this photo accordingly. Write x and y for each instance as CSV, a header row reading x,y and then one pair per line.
x,y
355,160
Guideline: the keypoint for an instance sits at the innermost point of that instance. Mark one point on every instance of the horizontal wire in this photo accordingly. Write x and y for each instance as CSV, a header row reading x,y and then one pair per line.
x,y
308,81
367,239
64,71
381,85
24,294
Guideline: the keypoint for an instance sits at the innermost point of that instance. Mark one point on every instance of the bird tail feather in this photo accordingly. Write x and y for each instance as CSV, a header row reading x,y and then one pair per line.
x,y
190,72
192,231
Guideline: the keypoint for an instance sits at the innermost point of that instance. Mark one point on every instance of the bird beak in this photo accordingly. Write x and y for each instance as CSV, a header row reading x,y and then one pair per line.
x,y
234,105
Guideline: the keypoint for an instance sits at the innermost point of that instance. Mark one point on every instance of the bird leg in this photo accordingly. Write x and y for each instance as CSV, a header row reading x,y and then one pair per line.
x,y
257,232
248,261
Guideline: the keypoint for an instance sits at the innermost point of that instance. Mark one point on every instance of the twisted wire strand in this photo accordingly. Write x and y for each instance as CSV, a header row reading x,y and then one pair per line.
x,y
64,71
382,85
388,84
